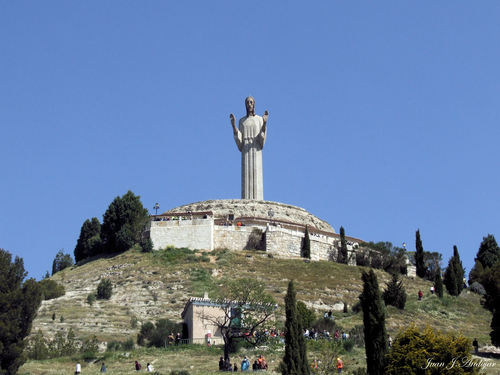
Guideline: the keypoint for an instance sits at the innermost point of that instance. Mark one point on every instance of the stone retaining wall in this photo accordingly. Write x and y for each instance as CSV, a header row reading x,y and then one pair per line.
x,y
193,233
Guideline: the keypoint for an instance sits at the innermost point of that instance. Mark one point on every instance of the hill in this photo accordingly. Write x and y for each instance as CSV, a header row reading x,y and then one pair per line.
x,y
150,286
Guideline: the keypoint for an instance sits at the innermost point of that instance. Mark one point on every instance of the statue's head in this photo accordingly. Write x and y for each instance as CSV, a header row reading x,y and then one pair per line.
x,y
250,105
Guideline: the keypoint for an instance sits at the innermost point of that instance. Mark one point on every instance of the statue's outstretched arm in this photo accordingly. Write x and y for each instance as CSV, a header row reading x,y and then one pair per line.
x,y
264,119
261,138
236,133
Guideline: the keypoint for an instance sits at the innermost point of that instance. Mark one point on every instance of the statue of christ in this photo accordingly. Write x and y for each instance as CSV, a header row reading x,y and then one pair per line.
x,y
250,138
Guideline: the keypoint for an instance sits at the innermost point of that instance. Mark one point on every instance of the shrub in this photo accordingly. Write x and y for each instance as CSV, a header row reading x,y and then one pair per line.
x,y
361,259
305,315
255,240
104,289
357,335
147,245
324,324
133,322
119,345
376,261
89,348
158,335
51,289
356,308
395,293
128,345
113,346
348,344
477,288
412,349
359,371
91,299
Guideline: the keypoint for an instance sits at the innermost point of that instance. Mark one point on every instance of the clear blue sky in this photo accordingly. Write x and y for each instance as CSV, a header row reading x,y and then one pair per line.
x,y
384,116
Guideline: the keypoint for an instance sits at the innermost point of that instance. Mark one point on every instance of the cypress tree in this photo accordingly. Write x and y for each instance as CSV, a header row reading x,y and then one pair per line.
x,y
419,256
306,248
438,284
295,359
374,324
459,269
450,278
454,274
342,256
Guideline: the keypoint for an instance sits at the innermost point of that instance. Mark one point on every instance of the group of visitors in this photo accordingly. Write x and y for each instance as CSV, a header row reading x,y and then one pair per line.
x,y
138,367
174,339
339,365
259,364
315,335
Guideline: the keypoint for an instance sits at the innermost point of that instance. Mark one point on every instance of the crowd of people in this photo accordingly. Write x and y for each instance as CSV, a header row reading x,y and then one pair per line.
x,y
259,364
316,334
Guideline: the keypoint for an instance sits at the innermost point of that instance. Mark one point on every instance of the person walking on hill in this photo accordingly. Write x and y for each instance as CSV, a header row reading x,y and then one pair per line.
x,y
103,367
475,344
340,365
137,366
78,368
420,295
245,364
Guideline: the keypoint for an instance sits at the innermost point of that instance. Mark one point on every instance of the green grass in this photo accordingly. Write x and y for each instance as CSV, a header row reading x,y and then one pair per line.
x,y
156,285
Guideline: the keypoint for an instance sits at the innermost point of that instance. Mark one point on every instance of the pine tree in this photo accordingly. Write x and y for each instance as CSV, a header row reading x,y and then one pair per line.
x,y
489,252
454,274
306,247
419,256
295,359
395,294
89,243
476,273
61,261
19,305
123,223
342,255
374,324
438,284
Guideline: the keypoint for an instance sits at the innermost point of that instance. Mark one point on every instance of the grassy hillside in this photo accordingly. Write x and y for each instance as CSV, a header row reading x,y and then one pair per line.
x,y
157,285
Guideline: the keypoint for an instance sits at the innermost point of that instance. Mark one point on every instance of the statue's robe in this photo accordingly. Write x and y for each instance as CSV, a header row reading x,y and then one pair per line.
x,y
250,139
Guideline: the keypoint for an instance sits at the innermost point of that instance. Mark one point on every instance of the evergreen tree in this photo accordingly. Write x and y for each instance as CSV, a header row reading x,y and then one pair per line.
x,y
342,255
476,273
104,289
18,307
491,283
395,294
306,246
374,324
454,274
89,243
295,359
123,223
61,261
438,284
419,256
489,252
